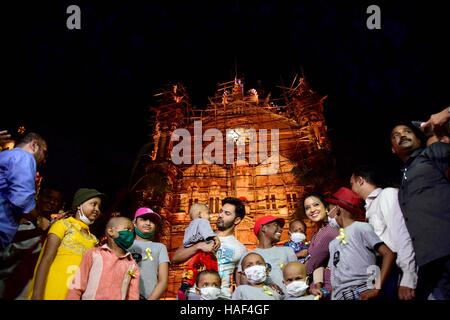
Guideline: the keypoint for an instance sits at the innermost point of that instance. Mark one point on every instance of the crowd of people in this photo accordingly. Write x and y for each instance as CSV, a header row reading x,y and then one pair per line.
x,y
370,242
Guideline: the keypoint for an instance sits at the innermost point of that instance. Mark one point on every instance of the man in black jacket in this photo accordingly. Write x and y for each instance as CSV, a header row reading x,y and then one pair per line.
x,y
424,198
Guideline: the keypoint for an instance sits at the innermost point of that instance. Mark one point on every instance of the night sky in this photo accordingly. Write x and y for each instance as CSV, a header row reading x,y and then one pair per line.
x,y
88,91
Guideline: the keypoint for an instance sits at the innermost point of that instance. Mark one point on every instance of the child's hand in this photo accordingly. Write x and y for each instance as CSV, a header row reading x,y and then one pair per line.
x,y
316,291
205,246
370,294
216,243
43,223
302,253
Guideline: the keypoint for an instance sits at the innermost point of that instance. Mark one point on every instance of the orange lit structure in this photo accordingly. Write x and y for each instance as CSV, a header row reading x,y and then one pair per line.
x,y
298,115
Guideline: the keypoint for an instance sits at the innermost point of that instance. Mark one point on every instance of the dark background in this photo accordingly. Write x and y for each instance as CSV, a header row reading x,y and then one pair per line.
x,y
88,91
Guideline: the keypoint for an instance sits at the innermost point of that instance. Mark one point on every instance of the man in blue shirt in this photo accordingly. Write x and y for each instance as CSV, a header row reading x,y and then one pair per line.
x,y
17,183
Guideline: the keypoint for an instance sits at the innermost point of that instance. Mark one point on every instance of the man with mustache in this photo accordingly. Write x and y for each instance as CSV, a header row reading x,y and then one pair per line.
x,y
424,198
231,250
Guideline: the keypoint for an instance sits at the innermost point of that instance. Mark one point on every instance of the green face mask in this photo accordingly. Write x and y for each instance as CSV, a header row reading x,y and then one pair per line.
x,y
144,235
125,239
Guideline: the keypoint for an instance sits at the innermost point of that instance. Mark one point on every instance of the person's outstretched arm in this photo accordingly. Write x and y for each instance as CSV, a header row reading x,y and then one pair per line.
x,y
22,185
23,235
50,249
437,120
184,254
386,267
396,228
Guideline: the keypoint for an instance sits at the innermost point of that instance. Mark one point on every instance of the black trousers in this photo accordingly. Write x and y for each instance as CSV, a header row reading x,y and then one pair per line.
x,y
434,277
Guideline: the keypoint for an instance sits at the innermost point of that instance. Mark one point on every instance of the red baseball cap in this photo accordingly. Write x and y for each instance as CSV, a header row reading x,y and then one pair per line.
x,y
348,200
265,220
147,212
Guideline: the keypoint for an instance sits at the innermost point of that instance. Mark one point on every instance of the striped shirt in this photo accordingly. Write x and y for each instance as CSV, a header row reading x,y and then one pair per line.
x,y
105,276
318,248
319,253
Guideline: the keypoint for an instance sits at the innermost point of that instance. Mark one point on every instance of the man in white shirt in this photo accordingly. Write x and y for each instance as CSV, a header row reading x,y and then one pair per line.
x,y
384,214
231,250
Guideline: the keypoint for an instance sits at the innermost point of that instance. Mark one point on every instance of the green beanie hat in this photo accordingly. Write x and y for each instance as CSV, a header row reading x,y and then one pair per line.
x,y
83,195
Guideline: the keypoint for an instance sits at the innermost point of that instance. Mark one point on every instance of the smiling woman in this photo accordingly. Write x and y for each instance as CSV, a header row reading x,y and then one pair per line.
x,y
316,209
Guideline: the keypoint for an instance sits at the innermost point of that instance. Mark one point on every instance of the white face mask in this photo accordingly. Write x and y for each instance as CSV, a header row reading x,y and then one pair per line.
x,y
83,218
256,274
332,222
298,237
297,288
209,293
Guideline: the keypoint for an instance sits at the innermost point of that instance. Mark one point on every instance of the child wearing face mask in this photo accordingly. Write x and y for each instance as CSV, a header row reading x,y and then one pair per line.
x,y
255,271
295,280
199,229
108,272
151,256
297,230
67,240
208,285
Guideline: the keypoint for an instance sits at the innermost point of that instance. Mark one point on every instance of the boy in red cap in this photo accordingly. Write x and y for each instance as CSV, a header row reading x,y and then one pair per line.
x,y
354,273
268,230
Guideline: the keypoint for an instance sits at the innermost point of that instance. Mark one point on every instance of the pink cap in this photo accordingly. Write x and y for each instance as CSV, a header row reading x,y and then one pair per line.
x,y
147,212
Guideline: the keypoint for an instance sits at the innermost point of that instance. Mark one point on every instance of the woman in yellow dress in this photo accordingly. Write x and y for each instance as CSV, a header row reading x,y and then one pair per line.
x,y
68,239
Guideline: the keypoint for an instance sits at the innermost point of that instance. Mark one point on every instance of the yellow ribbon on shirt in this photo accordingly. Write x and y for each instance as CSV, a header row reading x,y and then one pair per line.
x,y
267,291
148,254
341,236
132,272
